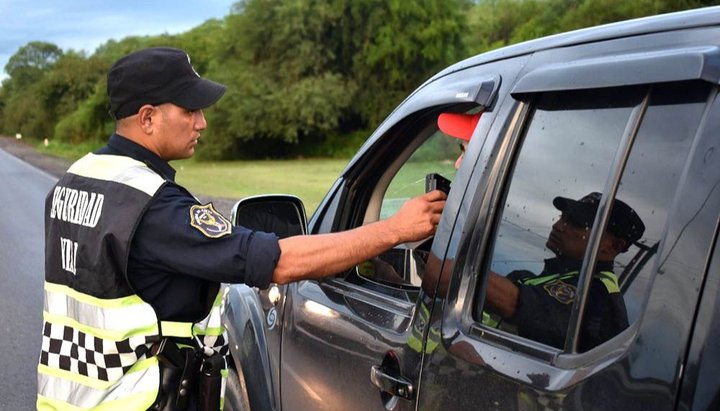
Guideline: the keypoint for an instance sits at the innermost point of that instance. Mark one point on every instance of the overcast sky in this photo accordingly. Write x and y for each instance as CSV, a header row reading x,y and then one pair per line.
x,y
87,24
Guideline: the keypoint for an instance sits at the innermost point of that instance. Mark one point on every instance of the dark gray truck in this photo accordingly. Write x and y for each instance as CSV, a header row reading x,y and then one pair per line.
x,y
629,110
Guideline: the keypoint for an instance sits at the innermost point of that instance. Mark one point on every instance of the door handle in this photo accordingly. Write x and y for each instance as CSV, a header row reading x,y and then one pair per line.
x,y
393,385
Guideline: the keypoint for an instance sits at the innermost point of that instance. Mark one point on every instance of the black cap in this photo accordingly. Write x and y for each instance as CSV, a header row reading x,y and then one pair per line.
x,y
624,222
158,75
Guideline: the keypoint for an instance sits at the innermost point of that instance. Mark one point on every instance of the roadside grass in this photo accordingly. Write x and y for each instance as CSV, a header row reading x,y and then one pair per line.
x,y
308,179
67,150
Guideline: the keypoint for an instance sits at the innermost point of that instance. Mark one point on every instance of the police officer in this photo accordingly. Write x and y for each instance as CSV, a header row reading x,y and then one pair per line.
x,y
134,263
538,307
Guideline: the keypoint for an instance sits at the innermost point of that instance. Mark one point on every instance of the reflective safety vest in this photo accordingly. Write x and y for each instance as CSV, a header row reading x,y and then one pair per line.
x,y
416,339
608,278
97,333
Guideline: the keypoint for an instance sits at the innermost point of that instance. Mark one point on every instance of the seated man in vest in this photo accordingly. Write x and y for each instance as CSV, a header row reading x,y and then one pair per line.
x,y
538,307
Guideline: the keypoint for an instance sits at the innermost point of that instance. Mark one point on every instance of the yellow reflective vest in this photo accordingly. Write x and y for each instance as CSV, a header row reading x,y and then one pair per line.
x,y
97,332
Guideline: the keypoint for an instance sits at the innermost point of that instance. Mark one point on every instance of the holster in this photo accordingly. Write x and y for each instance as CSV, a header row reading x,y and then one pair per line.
x,y
210,384
179,369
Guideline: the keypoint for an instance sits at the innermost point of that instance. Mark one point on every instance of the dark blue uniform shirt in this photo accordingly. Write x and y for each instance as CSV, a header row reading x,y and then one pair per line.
x,y
543,310
173,265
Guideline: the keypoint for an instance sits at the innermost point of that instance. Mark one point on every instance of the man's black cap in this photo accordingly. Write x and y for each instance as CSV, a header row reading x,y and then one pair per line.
x,y
624,222
155,76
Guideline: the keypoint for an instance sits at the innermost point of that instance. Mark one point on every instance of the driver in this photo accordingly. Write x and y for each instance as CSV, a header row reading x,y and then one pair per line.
x,y
460,126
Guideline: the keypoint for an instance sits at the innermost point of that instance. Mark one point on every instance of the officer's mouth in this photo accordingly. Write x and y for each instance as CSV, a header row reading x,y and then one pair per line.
x,y
553,238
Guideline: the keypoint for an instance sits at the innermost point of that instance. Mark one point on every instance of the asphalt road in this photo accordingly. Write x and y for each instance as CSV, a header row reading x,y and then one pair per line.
x,y
23,189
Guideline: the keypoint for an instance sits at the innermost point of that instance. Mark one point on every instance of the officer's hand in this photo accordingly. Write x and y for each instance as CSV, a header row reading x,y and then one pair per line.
x,y
418,217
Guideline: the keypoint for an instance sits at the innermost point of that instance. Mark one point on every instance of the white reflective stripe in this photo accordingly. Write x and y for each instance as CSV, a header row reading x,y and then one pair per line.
x,y
212,324
129,314
210,333
119,169
53,386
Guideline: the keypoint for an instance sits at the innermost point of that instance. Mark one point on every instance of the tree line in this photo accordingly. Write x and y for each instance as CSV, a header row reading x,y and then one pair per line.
x,y
304,77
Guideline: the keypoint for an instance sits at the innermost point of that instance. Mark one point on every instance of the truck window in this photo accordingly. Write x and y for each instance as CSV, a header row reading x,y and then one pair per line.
x,y
651,178
553,192
436,155
399,272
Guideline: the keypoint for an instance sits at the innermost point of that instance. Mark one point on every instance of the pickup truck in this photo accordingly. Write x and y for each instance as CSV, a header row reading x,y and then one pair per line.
x,y
629,111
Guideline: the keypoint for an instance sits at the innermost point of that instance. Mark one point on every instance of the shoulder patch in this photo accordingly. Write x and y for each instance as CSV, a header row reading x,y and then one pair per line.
x,y
208,221
563,292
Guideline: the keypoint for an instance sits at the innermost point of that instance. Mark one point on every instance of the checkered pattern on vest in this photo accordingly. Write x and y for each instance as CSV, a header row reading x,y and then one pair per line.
x,y
218,343
75,351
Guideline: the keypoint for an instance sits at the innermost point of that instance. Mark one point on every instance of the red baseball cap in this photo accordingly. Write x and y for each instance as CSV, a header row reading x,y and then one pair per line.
x,y
458,125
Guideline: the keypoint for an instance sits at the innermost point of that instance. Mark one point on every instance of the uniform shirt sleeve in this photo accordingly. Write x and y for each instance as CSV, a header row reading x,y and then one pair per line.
x,y
542,317
166,242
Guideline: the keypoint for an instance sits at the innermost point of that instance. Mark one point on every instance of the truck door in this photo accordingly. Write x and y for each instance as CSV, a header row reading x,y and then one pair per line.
x,y
589,131
354,342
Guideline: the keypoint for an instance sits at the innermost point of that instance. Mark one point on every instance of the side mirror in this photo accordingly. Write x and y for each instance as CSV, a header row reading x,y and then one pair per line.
x,y
281,214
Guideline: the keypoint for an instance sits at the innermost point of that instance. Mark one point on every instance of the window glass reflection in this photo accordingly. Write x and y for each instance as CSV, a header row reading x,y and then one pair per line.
x,y
652,175
544,225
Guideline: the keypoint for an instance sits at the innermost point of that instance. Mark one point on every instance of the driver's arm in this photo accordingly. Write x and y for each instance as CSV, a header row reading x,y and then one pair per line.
x,y
501,296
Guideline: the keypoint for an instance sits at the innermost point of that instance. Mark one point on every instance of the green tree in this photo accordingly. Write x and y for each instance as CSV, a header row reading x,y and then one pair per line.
x,y
90,121
18,97
302,71
21,115
497,23
29,63
282,87
58,91
595,12
398,45
70,81
493,23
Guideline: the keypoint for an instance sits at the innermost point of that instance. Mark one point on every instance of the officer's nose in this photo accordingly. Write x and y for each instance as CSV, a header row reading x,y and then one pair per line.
x,y
200,121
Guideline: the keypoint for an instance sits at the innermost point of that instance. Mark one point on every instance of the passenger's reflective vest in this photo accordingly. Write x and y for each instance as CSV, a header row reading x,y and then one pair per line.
x,y
608,278
416,339
97,332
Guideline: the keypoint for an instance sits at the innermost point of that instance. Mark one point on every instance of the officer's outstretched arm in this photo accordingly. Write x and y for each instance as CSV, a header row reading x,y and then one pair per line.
x,y
315,256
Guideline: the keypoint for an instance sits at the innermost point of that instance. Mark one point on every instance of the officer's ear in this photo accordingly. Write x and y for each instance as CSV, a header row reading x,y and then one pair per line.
x,y
145,117
620,245
617,244
610,246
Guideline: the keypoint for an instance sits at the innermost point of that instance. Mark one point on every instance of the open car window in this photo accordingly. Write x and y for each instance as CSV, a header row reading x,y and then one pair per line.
x,y
432,151
436,155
